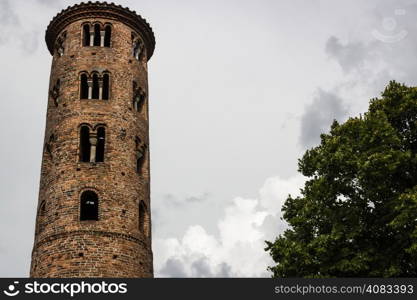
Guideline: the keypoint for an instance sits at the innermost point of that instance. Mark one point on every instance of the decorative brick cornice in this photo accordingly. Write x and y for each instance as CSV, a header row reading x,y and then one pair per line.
x,y
100,10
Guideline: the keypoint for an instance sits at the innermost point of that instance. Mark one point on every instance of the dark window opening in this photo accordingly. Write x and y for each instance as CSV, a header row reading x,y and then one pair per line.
x,y
107,36
136,101
84,87
86,33
41,216
49,144
134,93
55,91
58,84
142,216
139,162
42,208
89,206
142,52
137,49
96,87
141,102
101,135
137,143
106,86
59,47
85,144
97,35
48,148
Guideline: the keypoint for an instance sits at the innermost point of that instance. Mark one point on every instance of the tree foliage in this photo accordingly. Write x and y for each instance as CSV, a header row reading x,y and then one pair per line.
x,y
357,216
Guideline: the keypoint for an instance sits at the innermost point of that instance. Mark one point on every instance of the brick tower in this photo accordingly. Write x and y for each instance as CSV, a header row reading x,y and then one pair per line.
x,y
93,217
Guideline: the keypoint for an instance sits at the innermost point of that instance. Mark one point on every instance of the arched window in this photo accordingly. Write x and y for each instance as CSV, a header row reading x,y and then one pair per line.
x,y
86,35
140,148
96,88
97,35
57,85
42,208
136,101
59,46
84,87
140,160
137,47
141,103
107,36
101,139
41,216
55,92
89,206
139,97
85,146
106,87
143,219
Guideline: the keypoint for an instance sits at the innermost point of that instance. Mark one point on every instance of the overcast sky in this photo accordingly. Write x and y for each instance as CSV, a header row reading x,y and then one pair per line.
x,y
238,91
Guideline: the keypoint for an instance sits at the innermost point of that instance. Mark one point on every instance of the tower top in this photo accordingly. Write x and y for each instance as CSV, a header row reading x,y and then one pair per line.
x,y
100,10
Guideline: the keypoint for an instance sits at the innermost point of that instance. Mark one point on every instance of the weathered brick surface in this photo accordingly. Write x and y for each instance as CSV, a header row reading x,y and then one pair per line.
x,y
113,246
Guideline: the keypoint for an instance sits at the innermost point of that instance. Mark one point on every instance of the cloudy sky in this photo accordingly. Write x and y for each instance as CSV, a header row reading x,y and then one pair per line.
x,y
238,91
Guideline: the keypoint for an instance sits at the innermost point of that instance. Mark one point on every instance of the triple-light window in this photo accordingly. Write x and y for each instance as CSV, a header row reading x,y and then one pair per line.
x,y
97,35
60,44
95,85
138,47
139,99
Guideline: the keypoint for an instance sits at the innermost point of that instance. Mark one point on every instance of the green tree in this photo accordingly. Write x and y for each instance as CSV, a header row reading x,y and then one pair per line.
x,y
357,214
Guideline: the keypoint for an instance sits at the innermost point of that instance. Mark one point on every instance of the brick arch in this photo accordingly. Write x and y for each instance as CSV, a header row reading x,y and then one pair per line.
x,y
85,124
98,125
143,221
41,214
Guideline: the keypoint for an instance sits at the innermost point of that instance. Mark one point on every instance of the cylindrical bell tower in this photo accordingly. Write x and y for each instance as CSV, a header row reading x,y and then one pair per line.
x,y
93,217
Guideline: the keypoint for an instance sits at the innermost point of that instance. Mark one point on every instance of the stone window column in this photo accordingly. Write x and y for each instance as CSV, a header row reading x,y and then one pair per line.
x,y
90,88
100,88
93,143
139,154
92,37
136,49
136,105
102,34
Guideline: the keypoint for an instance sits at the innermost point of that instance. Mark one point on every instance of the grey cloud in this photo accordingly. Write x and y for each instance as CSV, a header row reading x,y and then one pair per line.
x,y
225,270
392,42
172,200
173,268
52,3
201,268
8,20
11,29
175,200
7,14
197,199
319,115
29,41
350,55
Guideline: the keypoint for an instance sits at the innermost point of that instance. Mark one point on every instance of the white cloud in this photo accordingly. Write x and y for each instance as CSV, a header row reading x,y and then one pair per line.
x,y
238,250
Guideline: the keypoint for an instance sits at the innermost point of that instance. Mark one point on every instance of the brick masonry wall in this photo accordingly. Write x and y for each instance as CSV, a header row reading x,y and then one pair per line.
x,y
113,246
